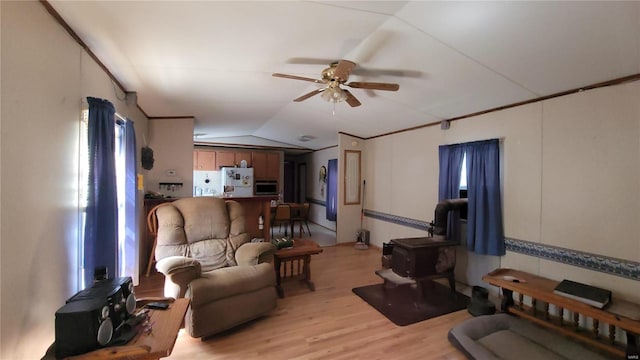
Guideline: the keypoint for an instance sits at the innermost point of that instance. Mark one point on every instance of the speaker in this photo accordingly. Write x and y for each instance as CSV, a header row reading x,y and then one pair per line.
x,y
147,158
117,292
82,326
126,300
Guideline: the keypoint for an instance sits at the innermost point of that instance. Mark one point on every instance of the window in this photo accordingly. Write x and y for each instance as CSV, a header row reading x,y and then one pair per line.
x,y
463,174
126,250
463,186
484,215
83,190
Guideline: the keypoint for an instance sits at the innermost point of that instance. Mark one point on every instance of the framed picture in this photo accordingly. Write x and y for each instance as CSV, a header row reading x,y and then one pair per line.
x,y
352,177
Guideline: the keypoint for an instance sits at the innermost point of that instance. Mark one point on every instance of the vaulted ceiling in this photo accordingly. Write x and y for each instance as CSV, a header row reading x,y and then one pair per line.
x,y
214,60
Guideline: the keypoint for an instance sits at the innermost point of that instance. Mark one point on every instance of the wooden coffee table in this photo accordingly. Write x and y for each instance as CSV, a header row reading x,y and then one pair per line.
x,y
296,262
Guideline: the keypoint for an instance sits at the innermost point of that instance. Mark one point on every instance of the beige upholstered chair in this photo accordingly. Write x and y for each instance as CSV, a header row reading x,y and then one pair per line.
x,y
204,252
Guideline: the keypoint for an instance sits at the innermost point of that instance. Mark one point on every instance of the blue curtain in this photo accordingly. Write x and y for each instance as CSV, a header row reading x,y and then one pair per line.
x,y
332,190
130,254
101,225
484,223
451,157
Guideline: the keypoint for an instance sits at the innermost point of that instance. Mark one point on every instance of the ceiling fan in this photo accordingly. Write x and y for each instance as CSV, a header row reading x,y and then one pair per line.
x,y
335,75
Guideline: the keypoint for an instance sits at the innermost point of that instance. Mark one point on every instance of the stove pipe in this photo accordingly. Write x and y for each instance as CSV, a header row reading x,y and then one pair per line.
x,y
442,215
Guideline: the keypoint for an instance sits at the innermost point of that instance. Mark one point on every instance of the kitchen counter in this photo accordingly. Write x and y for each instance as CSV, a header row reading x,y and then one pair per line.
x,y
254,206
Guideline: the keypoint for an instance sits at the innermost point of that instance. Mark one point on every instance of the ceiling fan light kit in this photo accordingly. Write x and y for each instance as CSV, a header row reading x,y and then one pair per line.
x,y
335,75
334,95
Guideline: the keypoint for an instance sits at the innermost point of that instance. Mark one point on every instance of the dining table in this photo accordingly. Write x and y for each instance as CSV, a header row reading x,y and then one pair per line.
x,y
295,211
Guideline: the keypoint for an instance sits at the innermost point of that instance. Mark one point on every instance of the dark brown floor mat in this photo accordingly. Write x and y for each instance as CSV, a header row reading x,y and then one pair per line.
x,y
399,304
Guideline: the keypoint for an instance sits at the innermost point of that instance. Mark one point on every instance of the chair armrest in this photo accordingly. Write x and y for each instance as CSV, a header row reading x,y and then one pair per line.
x,y
176,264
179,271
255,253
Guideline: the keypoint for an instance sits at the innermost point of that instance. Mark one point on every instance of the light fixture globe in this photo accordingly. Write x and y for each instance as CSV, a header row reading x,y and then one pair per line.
x,y
334,94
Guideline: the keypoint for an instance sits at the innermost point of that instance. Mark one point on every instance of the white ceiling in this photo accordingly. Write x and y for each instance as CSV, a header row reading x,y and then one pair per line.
x,y
213,60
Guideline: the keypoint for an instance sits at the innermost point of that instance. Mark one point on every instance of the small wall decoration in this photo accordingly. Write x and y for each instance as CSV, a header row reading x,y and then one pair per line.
x,y
322,177
323,174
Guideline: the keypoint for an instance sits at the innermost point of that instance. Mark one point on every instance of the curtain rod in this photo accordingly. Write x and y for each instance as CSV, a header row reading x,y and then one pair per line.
x,y
85,106
500,141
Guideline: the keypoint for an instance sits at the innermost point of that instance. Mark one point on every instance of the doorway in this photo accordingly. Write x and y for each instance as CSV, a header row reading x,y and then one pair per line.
x,y
302,183
289,182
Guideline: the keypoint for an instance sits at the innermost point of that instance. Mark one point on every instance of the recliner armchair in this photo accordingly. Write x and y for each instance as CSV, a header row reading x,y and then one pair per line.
x,y
206,255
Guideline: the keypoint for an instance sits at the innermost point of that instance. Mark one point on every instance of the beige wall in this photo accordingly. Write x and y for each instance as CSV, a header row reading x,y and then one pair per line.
x,y
172,144
570,179
45,73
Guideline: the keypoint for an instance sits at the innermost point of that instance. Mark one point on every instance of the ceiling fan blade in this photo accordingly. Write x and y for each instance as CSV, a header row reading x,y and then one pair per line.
x,y
294,77
308,95
375,72
343,69
309,61
361,70
374,86
351,100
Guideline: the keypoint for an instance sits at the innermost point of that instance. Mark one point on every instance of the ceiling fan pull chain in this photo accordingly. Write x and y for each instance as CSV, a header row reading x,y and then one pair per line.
x,y
334,109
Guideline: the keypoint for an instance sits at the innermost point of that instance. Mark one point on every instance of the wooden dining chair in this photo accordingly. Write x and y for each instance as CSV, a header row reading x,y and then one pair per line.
x,y
281,217
302,217
152,226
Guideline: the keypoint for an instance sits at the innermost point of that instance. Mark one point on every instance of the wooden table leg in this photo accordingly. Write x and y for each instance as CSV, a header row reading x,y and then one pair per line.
x,y
307,273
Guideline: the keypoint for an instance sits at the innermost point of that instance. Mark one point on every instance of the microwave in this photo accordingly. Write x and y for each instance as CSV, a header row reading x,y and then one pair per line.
x,y
266,187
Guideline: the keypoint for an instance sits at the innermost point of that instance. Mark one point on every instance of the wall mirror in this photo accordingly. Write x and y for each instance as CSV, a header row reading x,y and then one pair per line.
x,y
351,177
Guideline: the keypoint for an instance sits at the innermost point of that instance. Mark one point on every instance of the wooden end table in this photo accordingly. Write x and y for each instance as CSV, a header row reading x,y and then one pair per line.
x,y
300,253
157,344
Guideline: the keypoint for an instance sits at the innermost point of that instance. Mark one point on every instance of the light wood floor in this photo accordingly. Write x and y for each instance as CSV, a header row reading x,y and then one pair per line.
x,y
330,323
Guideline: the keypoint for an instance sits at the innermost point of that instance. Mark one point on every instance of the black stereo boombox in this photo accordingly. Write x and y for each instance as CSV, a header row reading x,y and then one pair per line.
x,y
90,318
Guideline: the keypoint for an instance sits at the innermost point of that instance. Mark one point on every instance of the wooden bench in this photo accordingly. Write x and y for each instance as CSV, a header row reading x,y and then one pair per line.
x,y
570,315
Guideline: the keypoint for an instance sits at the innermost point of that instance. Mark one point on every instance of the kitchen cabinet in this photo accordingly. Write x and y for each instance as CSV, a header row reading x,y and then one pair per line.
x,y
232,158
243,155
225,158
215,159
273,165
266,165
204,160
259,164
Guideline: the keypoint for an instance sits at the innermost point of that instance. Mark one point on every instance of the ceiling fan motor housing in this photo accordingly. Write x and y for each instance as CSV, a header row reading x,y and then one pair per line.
x,y
328,76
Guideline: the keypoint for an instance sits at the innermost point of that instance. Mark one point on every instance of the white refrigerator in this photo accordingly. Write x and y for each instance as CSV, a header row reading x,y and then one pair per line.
x,y
236,182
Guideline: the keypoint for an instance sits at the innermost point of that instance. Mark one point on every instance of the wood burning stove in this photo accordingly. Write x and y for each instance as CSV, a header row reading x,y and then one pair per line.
x,y
418,257
423,258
